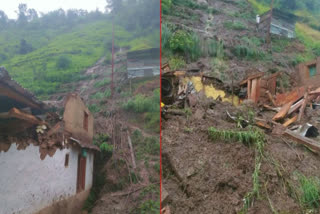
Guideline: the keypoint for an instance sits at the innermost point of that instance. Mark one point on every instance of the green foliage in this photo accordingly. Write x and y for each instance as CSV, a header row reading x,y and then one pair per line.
x,y
190,4
166,34
142,104
249,49
101,95
166,6
148,207
101,83
63,62
309,191
94,108
177,62
180,41
147,145
234,25
216,48
104,147
187,44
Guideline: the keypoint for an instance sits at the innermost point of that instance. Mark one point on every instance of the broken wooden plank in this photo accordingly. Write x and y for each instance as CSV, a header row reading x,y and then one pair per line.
x,y
314,145
271,108
283,111
254,76
263,124
16,113
271,98
296,106
303,106
290,121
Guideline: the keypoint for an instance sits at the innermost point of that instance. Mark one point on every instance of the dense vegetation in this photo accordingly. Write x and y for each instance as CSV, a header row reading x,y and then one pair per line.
x,y
41,53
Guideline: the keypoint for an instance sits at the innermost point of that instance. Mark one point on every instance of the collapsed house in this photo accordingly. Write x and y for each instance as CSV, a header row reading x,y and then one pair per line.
x,y
309,73
46,161
278,23
143,63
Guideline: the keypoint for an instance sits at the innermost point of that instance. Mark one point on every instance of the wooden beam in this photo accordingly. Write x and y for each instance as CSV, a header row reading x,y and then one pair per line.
x,y
283,111
290,121
314,145
14,112
7,92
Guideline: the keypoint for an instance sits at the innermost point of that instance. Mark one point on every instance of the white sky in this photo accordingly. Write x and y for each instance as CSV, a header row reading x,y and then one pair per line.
x,y
10,6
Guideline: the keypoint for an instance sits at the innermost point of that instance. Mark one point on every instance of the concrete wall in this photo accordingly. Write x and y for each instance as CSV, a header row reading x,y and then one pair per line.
x,y
28,185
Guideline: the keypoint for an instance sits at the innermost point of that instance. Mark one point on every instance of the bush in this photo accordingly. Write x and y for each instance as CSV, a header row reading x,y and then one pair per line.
x,y
216,48
141,104
166,6
63,62
187,44
176,62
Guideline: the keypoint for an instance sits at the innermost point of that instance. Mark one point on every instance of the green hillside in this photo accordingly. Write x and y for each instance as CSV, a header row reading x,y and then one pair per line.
x,y
46,52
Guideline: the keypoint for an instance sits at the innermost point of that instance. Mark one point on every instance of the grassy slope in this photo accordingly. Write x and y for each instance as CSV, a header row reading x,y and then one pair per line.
x,y
307,35
84,44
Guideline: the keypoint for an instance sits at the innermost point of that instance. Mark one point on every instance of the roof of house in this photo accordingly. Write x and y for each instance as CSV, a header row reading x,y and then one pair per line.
x,y
14,95
284,15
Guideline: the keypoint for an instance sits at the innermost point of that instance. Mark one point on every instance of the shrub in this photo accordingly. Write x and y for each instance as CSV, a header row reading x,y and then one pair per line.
x,y
166,34
216,48
148,207
63,62
176,62
187,44
166,6
94,108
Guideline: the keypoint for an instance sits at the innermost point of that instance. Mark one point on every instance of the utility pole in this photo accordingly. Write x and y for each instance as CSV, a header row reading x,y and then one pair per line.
x,y
269,26
112,57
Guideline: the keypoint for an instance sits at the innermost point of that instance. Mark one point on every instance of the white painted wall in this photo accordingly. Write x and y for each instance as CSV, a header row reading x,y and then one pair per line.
x,y
29,184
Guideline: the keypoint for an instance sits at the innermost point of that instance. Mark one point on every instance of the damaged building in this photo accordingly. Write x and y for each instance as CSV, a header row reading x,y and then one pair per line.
x,y
278,22
309,73
46,161
143,63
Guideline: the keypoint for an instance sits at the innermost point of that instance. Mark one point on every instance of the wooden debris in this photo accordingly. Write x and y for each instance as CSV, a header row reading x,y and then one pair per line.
x,y
290,121
271,108
303,106
296,106
314,145
283,111
271,98
263,124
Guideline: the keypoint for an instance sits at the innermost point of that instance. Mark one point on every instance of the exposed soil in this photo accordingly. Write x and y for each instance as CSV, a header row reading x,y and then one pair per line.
x,y
205,176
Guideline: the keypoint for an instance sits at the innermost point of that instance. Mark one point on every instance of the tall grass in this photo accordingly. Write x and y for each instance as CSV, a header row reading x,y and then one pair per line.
x,y
310,191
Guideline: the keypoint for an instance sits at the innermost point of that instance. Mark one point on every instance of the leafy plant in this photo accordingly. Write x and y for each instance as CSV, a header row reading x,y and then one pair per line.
x,y
177,62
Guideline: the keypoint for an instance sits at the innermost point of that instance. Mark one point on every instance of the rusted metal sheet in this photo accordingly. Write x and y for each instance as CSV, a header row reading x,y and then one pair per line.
x,y
291,96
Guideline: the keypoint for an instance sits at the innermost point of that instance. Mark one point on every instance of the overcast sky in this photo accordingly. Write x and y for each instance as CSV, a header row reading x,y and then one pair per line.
x,y
10,6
